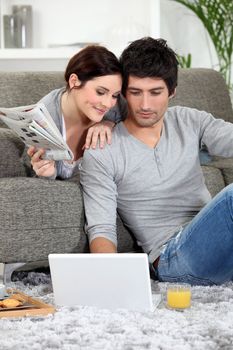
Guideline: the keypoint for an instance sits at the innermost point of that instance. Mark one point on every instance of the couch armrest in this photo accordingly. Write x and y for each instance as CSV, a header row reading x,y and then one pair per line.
x,y
12,149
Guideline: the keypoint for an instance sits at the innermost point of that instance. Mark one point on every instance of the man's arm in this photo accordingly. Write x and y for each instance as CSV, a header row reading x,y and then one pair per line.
x,y
215,134
102,245
100,203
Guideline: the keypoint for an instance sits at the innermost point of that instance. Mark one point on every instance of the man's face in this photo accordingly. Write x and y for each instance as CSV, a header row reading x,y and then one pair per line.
x,y
147,100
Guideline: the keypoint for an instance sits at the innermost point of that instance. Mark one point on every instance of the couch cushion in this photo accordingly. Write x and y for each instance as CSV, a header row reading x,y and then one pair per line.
x,y
25,88
225,165
39,217
227,174
213,179
204,89
12,149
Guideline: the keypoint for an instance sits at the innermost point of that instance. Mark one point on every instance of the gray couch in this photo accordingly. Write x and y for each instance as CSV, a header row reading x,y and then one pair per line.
x,y
40,216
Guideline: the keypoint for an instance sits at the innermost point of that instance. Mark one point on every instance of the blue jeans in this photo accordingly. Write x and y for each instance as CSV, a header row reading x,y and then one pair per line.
x,y
202,252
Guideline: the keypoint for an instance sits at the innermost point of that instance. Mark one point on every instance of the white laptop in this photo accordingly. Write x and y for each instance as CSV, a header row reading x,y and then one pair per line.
x,y
102,280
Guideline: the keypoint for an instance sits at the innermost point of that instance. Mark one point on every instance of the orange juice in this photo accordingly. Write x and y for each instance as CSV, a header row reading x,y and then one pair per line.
x,y
179,296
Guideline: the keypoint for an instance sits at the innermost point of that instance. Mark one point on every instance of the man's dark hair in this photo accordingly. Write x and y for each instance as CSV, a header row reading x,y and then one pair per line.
x,y
148,57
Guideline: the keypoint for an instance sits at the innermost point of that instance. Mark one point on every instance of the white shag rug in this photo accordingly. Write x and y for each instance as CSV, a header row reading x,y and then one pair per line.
x,y
207,325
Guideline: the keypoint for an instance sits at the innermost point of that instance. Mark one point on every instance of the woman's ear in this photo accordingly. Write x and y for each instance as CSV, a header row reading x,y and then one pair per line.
x,y
74,81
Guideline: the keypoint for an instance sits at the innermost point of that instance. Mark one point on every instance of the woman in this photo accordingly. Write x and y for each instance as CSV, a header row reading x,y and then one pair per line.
x,y
93,85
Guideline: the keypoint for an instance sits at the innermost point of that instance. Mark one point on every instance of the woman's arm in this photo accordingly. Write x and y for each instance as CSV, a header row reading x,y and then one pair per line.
x,y
99,133
42,167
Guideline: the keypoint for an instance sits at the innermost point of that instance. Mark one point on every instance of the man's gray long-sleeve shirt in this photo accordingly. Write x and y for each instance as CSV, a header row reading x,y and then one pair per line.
x,y
155,190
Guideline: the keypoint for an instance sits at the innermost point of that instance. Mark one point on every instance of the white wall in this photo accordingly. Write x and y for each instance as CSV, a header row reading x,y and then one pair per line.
x,y
116,22
186,34
71,21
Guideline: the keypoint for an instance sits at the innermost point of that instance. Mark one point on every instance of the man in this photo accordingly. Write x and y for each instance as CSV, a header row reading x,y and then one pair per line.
x,y
151,175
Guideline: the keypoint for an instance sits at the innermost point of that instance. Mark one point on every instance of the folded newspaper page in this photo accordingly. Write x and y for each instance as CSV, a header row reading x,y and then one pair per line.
x,y
35,127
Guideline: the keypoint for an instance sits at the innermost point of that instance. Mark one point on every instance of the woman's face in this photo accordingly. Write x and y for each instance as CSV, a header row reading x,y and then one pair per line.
x,y
97,96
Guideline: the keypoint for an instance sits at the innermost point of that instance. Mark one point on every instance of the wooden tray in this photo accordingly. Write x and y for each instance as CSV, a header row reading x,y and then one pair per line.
x,y
31,307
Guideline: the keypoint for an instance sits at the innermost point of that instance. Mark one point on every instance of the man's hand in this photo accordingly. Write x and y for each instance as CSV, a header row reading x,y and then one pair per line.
x,y
102,245
101,131
41,167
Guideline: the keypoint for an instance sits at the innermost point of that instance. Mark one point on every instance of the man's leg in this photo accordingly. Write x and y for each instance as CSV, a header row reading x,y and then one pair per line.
x,y
202,253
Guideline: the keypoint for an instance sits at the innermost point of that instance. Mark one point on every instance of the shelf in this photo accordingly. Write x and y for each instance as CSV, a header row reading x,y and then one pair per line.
x,y
51,53
55,23
54,59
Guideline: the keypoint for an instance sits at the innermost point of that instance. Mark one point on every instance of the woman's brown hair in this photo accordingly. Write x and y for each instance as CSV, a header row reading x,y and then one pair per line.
x,y
91,62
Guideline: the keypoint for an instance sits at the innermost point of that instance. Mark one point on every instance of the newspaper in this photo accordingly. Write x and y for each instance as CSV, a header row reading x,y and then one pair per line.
x,y
35,127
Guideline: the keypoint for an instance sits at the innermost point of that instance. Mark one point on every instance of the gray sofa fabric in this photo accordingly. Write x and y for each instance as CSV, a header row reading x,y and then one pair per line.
x,y
204,89
25,88
41,216
11,157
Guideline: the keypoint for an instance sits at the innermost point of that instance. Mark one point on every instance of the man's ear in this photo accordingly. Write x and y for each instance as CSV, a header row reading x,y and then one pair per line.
x,y
74,81
173,94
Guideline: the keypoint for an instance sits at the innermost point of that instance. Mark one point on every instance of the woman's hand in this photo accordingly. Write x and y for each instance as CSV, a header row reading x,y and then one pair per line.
x,y
100,131
42,167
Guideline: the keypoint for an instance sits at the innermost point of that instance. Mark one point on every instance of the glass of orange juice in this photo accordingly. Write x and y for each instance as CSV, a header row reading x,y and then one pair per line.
x,y
179,296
